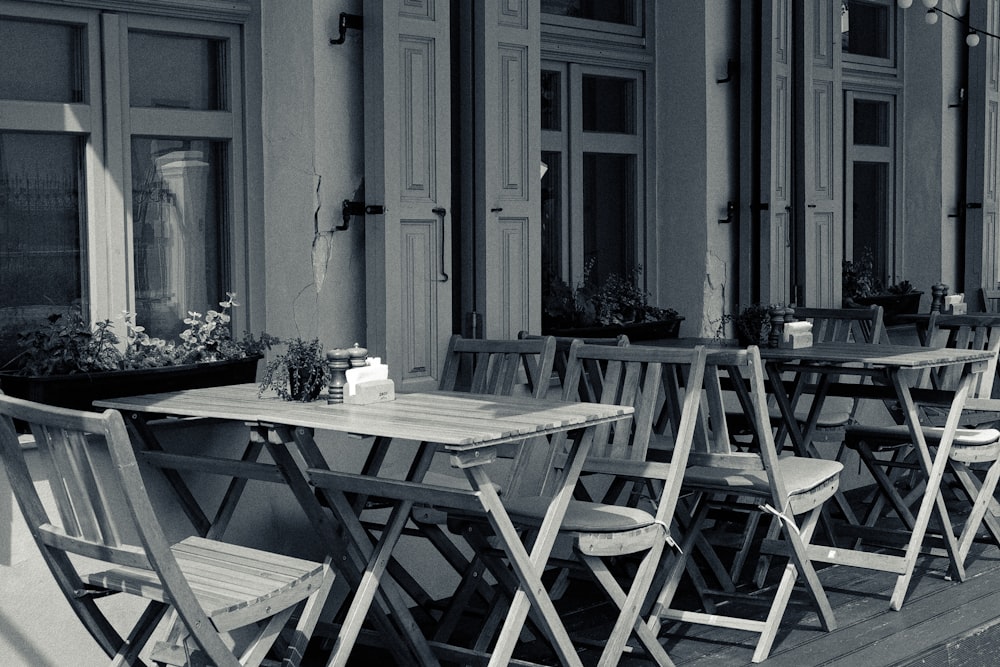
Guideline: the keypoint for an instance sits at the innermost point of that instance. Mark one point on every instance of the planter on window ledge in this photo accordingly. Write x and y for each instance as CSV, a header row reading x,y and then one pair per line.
x,y
893,305
80,390
636,331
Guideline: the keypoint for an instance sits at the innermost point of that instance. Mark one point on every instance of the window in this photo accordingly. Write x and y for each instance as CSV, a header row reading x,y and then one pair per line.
x,y
593,189
120,177
868,29
870,183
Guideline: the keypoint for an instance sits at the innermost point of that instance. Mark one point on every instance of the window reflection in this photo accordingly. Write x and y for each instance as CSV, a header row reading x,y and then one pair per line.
x,y
176,72
609,11
41,262
41,62
609,215
177,230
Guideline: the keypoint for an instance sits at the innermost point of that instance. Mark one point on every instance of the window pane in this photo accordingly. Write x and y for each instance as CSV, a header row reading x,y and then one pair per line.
x,y
608,104
871,214
552,207
551,100
610,11
865,28
176,72
871,122
41,62
177,195
609,214
41,260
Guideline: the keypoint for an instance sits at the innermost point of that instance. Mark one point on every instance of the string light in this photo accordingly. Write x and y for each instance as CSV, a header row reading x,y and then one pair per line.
x,y
972,37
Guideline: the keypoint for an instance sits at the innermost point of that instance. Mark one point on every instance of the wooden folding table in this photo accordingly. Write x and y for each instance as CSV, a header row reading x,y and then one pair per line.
x,y
468,427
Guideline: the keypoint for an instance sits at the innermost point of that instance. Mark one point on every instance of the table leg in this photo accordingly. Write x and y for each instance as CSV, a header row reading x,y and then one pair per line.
x,y
355,556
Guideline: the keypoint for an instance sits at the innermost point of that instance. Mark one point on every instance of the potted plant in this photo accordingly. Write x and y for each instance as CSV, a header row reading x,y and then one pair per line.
x,y
618,305
751,324
861,289
67,362
299,373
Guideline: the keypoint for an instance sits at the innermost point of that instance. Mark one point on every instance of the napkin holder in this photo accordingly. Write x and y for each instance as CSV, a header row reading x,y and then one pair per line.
x,y
954,304
796,335
369,384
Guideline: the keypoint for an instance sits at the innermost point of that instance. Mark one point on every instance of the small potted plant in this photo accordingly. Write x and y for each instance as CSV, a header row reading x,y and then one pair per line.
x,y
862,288
299,373
751,324
618,305
68,362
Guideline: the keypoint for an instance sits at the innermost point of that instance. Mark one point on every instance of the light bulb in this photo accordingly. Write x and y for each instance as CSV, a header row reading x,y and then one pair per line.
x,y
931,17
930,4
904,4
972,39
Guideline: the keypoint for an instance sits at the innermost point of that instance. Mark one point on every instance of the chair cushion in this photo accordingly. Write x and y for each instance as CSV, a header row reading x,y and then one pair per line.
x,y
799,474
894,436
581,516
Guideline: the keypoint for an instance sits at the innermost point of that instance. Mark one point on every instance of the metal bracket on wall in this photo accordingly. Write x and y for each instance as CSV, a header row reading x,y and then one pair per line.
x,y
352,21
350,209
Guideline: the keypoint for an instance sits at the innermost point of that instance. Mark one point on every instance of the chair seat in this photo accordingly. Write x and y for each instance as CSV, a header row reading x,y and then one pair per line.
x,y
801,476
890,437
581,516
235,585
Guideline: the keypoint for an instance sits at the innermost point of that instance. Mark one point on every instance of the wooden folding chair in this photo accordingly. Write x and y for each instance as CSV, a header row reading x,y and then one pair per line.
x,y
976,443
787,488
602,533
586,391
480,366
990,299
214,590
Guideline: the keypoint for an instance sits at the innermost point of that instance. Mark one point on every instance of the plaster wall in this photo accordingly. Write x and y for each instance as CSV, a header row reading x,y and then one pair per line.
x,y
695,174
313,149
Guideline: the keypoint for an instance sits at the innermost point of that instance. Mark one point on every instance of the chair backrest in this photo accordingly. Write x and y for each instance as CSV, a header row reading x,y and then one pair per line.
x,y
990,299
494,366
741,372
643,377
845,325
587,392
104,511
973,331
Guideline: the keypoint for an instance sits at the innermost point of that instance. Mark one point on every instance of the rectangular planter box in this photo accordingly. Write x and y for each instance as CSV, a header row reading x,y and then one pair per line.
x,y
79,390
636,332
893,305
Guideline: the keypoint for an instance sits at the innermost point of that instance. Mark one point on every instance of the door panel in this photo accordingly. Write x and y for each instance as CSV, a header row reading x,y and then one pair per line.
x,y
820,234
407,170
506,188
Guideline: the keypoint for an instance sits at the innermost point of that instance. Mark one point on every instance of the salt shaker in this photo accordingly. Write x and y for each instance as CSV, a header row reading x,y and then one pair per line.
x,y
358,355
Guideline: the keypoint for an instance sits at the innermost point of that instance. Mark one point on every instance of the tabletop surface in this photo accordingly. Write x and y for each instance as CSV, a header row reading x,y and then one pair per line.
x,y
455,420
900,356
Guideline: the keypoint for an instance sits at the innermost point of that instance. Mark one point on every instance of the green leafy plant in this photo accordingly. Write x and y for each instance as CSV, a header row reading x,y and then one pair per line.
x,y
751,324
618,300
859,280
66,343
299,373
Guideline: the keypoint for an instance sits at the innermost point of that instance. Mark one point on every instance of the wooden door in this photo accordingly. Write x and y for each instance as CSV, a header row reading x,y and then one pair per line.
x,y
407,102
819,201
765,231
501,279
982,228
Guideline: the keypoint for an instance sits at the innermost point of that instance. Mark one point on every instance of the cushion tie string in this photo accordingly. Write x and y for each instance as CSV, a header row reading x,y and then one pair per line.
x,y
666,535
787,520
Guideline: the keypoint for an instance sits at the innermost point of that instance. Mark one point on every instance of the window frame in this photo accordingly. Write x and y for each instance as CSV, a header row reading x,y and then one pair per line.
x,y
107,123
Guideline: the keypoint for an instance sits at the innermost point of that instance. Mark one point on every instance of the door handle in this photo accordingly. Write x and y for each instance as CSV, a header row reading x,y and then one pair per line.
x,y
440,212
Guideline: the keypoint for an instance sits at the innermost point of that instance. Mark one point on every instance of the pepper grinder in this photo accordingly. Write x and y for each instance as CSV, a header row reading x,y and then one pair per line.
x,y
358,356
938,293
777,314
339,361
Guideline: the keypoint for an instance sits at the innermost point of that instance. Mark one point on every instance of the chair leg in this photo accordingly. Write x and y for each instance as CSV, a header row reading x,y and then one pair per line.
x,y
982,496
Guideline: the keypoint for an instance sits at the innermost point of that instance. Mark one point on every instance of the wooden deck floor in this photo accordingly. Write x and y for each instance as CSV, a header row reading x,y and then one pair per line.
x,y
942,623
